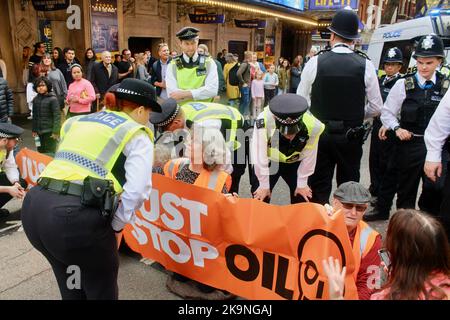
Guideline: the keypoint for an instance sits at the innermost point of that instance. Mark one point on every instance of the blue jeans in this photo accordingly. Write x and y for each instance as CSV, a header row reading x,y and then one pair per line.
x,y
244,106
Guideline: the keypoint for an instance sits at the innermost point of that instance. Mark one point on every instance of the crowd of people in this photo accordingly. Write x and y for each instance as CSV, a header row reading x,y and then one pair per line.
x,y
306,120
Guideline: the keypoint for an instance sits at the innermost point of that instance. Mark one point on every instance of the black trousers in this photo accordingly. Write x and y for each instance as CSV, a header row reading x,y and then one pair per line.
x,y
287,171
5,197
240,159
377,164
410,161
69,234
444,213
334,150
48,144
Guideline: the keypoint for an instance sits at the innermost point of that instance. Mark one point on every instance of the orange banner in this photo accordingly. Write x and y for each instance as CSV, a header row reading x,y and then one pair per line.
x,y
252,249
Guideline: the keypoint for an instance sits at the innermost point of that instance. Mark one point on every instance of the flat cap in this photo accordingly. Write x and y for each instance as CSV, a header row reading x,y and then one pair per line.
x,y
187,33
138,91
169,111
9,130
288,110
352,192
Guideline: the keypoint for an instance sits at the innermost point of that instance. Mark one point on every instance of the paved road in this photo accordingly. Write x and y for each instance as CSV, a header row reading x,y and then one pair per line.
x,y
25,274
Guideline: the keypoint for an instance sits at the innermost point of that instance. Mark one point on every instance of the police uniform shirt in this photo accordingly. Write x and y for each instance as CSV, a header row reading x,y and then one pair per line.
x,y
438,130
394,101
138,170
374,101
9,166
258,152
209,90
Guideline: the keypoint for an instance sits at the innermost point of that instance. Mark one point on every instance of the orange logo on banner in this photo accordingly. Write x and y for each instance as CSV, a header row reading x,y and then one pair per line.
x,y
252,249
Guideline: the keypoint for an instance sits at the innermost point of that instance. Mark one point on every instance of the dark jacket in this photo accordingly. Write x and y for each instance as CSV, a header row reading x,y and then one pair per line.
x,y
6,101
243,74
295,78
65,69
156,75
46,114
100,78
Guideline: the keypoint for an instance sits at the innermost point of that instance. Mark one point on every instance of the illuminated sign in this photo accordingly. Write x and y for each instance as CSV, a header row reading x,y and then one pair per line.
x,y
332,4
294,4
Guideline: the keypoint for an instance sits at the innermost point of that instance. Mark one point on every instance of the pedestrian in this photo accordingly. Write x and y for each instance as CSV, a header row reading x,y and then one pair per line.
x,y
46,116
56,78
159,74
415,98
203,49
284,145
73,217
81,93
257,90
57,56
125,65
66,65
336,85
175,118
141,70
117,59
6,101
11,184
36,58
104,76
258,65
284,77
419,266
382,166
35,72
89,60
294,74
270,84
26,54
173,54
245,80
190,76
230,76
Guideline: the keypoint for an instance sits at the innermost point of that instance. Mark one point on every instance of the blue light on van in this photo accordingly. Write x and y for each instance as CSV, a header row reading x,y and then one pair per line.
x,y
392,34
437,12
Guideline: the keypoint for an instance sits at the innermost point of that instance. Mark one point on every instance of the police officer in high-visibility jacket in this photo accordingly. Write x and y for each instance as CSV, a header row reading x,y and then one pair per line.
x,y
175,118
415,98
100,175
191,76
285,139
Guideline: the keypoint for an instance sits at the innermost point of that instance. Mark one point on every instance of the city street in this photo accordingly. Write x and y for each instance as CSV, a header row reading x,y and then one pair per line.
x,y
25,273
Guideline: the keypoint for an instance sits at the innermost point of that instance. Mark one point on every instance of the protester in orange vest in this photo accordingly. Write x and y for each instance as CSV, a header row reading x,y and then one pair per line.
x,y
353,199
204,167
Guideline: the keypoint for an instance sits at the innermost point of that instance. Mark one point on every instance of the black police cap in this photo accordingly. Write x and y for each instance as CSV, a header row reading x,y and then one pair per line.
x,y
187,33
9,130
138,91
288,110
169,111
345,24
393,55
429,46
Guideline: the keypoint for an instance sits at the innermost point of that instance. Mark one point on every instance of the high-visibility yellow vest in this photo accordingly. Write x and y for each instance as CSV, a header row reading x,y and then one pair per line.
x,y
201,111
90,146
191,78
214,180
314,126
363,242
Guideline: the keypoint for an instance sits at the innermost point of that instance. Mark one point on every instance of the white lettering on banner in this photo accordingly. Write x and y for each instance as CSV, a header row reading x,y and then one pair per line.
x,y
195,210
31,168
177,221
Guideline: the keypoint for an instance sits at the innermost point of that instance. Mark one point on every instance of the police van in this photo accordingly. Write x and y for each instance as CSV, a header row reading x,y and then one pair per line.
x,y
403,35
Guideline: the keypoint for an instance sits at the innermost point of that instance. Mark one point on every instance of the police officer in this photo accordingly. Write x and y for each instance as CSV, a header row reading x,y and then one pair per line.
x,y
71,216
174,118
437,141
11,185
284,145
191,76
383,181
336,84
416,97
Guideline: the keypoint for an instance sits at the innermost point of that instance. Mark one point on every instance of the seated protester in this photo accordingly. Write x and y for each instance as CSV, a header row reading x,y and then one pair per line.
x,y
162,154
11,185
419,266
46,116
353,199
206,156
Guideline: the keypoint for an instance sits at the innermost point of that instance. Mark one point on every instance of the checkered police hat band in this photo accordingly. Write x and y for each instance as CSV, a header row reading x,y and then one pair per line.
x,y
170,119
288,121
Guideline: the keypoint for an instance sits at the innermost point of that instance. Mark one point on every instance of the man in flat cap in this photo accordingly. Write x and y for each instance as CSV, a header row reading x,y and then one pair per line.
x,y
284,145
191,76
353,199
10,183
174,118
337,83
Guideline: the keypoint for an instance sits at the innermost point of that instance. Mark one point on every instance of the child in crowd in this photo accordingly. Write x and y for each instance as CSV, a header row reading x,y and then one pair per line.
x,y
270,84
257,91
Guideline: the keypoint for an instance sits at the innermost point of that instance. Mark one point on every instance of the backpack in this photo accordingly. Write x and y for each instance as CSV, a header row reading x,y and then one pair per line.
x,y
233,79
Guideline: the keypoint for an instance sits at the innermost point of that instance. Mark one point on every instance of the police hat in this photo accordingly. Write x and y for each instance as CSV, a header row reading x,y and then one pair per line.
x,y
429,46
352,192
169,111
345,24
138,91
9,130
288,110
393,55
187,33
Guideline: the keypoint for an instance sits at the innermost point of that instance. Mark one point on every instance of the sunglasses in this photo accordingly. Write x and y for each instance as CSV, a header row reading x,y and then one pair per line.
x,y
358,207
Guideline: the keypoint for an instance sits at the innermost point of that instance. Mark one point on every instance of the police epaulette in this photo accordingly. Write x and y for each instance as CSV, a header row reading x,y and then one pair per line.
x,y
260,123
178,62
361,53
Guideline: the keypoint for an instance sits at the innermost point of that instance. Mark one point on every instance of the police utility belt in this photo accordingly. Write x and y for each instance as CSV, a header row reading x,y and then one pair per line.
x,y
96,193
338,127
